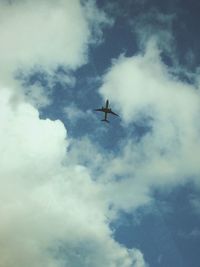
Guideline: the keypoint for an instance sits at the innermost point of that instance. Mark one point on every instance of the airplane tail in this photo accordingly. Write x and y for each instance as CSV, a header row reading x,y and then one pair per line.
x,y
105,120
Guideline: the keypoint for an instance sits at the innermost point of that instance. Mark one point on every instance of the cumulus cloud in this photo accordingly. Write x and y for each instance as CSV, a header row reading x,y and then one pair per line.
x,y
52,212
45,35
46,32
142,88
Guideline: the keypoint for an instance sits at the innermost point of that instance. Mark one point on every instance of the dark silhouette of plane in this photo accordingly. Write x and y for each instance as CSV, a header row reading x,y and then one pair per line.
x,y
106,110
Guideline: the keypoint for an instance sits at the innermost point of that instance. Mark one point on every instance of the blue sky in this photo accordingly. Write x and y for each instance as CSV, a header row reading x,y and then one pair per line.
x,y
79,192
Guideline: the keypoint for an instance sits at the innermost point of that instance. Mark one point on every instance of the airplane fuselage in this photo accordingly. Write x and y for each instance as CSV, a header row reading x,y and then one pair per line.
x,y
106,110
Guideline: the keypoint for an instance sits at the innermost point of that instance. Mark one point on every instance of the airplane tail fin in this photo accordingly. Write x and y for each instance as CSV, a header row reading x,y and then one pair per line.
x,y
105,120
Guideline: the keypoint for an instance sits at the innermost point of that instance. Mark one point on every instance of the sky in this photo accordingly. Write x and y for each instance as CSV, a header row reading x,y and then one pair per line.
x,y
76,191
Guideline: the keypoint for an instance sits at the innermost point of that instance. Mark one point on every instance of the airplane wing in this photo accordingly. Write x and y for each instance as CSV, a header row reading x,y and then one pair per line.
x,y
113,113
99,109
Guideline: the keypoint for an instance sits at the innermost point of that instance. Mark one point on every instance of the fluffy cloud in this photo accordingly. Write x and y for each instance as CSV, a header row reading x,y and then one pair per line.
x,y
52,212
143,89
44,35
46,32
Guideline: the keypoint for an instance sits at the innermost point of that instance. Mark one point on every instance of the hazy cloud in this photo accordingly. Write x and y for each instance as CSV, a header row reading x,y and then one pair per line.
x,y
73,113
194,234
156,25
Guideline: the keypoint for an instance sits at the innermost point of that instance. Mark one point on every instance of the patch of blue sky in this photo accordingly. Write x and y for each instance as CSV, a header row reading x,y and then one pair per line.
x,y
163,231
156,19
153,238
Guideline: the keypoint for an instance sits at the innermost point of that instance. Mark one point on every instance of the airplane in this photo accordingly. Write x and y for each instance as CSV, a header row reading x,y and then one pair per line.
x,y
106,110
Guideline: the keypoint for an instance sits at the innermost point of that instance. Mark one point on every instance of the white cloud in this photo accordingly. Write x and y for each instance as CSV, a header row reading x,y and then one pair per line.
x,y
142,87
46,34
52,214
52,211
